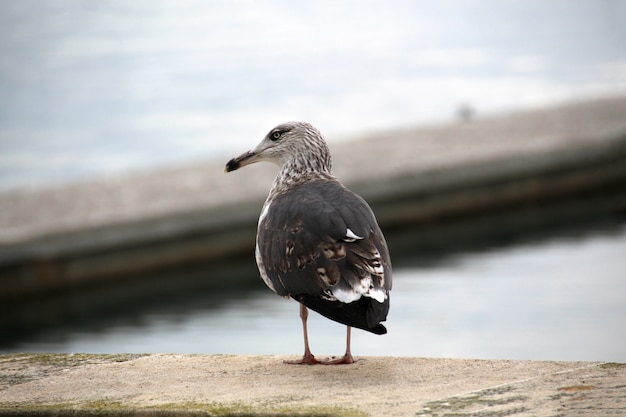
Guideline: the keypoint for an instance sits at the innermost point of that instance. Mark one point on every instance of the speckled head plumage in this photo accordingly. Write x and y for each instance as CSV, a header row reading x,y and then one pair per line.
x,y
298,146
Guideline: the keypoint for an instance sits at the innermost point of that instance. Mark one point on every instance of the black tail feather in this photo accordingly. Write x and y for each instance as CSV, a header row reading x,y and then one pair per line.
x,y
365,313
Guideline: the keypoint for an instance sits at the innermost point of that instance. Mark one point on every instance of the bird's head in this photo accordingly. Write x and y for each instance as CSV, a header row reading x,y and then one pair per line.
x,y
296,143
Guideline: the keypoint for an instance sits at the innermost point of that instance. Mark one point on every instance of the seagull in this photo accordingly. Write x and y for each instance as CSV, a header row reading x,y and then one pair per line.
x,y
318,242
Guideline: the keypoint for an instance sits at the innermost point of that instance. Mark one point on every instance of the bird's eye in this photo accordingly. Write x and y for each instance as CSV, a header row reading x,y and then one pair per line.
x,y
276,135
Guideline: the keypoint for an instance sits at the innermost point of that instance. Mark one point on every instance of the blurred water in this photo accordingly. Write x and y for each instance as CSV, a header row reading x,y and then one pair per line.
x,y
561,298
91,88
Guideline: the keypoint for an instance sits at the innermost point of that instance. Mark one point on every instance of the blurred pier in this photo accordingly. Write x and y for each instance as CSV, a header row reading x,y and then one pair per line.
x,y
85,233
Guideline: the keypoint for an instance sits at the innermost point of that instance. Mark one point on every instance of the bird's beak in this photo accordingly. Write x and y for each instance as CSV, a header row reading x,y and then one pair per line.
x,y
242,160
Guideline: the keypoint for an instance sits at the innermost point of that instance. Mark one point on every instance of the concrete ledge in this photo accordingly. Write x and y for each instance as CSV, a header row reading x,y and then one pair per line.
x,y
230,385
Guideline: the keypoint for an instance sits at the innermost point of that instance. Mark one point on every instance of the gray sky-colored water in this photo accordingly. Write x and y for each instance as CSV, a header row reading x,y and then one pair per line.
x,y
90,88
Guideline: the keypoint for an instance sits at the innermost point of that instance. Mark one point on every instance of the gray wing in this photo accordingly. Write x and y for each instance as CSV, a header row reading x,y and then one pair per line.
x,y
321,241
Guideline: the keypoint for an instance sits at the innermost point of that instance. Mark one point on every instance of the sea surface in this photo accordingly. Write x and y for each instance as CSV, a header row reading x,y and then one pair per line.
x,y
101,87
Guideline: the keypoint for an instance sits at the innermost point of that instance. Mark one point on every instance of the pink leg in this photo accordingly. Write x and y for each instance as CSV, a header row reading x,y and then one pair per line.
x,y
347,358
308,358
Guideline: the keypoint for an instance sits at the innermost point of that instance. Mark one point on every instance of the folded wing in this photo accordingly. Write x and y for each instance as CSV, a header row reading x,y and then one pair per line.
x,y
320,244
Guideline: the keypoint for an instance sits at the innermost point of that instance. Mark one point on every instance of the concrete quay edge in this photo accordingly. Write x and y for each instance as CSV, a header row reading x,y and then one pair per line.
x,y
92,232
220,385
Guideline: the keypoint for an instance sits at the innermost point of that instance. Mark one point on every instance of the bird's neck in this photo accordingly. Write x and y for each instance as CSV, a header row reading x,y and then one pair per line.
x,y
299,170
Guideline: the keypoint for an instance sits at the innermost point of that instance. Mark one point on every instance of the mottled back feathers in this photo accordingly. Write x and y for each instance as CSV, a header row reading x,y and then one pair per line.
x,y
319,243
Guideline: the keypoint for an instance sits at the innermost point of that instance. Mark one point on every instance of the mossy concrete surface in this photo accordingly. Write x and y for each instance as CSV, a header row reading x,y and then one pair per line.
x,y
243,385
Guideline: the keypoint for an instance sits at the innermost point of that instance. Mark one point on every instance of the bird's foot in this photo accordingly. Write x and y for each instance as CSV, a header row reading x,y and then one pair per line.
x,y
346,359
307,359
